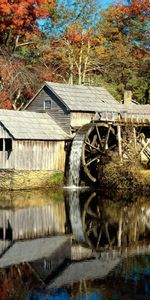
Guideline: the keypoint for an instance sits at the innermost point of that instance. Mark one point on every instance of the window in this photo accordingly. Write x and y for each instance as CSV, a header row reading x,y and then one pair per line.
x,y
8,144
1,144
47,104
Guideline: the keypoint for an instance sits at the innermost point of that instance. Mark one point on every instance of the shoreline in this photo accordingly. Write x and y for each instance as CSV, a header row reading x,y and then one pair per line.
x,y
12,180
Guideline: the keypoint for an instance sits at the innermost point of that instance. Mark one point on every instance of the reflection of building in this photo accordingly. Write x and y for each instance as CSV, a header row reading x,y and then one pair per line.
x,y
85,270
33,221
52,250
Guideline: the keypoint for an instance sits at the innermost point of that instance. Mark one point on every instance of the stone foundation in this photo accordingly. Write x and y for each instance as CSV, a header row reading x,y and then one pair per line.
x,y
19,180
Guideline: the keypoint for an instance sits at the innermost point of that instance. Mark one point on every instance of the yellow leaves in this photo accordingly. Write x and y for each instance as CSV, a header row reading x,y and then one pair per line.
x,y
101,51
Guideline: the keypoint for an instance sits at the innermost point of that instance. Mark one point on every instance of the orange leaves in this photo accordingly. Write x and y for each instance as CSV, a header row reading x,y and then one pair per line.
x,y
46,76
22,15
76,34
5,103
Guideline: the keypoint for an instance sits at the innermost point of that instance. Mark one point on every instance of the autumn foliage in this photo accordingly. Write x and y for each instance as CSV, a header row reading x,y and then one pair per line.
x,y
77,44
20,16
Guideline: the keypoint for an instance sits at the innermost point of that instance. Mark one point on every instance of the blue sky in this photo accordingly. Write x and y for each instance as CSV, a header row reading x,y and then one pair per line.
x,y
105,3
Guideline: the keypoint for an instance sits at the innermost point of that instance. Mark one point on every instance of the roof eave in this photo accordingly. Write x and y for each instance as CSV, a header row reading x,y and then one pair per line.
x,y
31,100
7,130
60,99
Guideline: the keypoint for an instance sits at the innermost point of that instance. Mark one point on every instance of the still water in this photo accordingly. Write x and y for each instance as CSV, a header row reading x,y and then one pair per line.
x,y
74,244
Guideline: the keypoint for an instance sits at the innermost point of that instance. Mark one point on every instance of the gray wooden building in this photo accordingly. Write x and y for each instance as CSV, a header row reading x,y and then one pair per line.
x,y
31,141
71,105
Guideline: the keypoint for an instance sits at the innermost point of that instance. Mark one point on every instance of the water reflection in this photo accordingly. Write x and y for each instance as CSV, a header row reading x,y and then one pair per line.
x,y
109,222
130,280
31,214
112,230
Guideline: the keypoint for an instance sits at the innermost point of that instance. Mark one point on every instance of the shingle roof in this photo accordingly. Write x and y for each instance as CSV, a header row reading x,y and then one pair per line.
x,y
31,125
136,113
82,98
127,108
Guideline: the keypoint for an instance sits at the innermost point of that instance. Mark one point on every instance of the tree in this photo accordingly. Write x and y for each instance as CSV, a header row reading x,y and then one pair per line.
x,y
20,17
126,30
69,44
19,33
85,12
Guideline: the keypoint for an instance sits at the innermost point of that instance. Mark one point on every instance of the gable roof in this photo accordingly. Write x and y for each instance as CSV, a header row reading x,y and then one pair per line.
x,y
31,125
80,97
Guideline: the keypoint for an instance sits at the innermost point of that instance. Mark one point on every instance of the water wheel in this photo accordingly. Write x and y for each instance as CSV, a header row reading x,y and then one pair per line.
x,y
98,231
99,142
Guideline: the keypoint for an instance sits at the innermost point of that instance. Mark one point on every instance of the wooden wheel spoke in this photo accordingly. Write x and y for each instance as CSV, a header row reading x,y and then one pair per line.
x,y
106,139
87,150
99,238
94,140
95,233
92,146
92,160
90,230
99,137
92,213
112,147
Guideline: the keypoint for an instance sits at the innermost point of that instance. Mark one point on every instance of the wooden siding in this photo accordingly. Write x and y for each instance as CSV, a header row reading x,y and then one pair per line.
x,y
33,155
33,222
58,110
79,119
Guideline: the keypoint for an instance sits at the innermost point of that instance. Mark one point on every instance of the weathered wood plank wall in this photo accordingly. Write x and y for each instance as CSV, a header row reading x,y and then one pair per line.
x,y
81,118
33,155
58,111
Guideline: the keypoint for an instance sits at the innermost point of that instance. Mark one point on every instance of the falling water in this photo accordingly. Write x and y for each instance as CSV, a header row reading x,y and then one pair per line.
x,y
75,158
74,163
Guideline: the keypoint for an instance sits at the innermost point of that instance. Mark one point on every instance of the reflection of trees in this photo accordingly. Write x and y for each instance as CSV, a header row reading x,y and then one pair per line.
x,y
108,223
20,276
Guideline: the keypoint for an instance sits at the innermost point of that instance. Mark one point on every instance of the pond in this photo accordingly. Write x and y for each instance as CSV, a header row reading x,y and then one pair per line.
x,y
74,244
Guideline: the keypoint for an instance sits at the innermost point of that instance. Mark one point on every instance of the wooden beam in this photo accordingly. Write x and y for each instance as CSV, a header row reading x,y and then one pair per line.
x,y
119,141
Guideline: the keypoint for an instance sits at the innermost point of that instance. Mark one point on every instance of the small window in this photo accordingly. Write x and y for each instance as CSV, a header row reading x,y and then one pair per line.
x,y
1,144
8,144
47,104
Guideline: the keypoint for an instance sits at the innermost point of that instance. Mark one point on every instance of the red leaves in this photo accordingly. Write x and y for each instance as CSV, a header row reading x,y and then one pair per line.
x,y
46,76
76,34
22,15
5,101
137,8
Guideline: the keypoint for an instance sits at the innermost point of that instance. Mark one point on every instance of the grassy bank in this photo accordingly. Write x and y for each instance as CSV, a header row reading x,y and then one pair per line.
x,y
125,176
24,179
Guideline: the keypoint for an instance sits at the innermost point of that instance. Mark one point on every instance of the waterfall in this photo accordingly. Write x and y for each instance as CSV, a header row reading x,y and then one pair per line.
x,y
75,160
75,156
